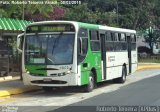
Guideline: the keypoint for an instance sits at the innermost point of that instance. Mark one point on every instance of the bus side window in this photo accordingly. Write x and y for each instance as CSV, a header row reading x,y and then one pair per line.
x,y
113,36
116,37
117,44
95,41
109,41
123,37
108,36
83,32
123,41
133,42
82,44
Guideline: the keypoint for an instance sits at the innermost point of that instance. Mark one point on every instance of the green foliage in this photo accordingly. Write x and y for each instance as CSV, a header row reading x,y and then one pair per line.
x,y
152,36
12,11
132,14
81,13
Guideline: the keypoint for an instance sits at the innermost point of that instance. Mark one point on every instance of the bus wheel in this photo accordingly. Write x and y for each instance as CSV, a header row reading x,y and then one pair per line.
x,y
122,79
90,86
47,89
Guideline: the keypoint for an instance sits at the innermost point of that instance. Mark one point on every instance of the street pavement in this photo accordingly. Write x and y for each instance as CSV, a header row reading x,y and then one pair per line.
x,y
141,88
143,95
144,92
15,86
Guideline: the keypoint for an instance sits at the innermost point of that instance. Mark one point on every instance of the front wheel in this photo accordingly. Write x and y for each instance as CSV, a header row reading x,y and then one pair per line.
x,y
90,86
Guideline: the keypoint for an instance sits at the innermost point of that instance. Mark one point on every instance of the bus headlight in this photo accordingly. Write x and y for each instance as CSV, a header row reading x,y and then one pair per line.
x,y
61,74
68,72
64,73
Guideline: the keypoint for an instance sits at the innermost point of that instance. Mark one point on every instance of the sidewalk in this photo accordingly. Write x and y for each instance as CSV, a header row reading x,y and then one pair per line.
x,y
142,66
15,86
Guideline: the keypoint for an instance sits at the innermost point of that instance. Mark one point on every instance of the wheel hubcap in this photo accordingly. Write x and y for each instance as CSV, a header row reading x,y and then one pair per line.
x,y
124,76
91,82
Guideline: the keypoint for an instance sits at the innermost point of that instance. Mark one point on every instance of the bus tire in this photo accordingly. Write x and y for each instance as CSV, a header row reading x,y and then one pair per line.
x,y
47,89
122,79
90,86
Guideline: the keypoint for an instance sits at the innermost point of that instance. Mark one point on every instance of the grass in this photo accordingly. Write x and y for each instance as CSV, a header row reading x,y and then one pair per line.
x,y
149,60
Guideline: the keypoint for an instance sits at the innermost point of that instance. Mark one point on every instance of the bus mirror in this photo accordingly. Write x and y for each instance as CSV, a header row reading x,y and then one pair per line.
x,y
20,39
81,46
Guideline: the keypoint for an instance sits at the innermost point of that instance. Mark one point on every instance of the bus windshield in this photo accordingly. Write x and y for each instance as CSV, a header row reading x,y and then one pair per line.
x,y
49,49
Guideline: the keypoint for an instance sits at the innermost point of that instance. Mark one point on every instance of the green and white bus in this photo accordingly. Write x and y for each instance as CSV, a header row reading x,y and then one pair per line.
x,y
69,53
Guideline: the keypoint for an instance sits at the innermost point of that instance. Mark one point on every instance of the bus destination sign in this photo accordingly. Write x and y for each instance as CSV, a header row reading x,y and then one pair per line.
x,y
51,28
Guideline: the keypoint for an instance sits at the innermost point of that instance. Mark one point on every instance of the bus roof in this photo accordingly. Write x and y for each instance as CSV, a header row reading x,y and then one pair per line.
x,y
50,22
87,25
116,29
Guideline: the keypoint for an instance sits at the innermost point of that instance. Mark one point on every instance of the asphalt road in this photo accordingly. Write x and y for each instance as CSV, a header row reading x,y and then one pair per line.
x,y
142,93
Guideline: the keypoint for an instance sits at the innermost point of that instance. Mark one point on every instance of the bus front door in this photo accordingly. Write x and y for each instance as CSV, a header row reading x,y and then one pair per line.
x,y
129,53
103,55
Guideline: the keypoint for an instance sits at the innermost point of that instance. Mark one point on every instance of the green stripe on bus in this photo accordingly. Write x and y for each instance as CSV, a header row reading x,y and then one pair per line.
x,y
86,25
36,70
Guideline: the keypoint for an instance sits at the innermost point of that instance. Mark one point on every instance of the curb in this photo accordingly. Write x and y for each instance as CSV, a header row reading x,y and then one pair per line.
x,y
4,93
142,67
9,78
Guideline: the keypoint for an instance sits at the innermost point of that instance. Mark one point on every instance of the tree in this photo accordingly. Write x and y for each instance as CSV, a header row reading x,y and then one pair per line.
x,y
156,13
152,36
57,13
81,13
39,12
11,11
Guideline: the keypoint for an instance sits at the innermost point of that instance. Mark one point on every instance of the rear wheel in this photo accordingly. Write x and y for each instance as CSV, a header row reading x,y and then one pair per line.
x,y
90,86
47,89
122,79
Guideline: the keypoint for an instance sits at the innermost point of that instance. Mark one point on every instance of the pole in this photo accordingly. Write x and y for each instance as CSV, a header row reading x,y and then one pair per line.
x,y
117,12
23,12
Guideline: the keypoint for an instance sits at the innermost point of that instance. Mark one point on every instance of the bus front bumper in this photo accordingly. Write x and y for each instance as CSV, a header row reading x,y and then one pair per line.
x,y
67,80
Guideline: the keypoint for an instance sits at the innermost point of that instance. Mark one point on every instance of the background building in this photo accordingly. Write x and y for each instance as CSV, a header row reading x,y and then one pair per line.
x,y
9,29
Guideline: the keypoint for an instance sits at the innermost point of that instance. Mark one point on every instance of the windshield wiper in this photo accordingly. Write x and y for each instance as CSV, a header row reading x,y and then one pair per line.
x,y
56,41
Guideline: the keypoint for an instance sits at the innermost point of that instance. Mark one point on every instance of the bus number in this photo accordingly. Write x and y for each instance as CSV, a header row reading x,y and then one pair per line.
x,y
65,67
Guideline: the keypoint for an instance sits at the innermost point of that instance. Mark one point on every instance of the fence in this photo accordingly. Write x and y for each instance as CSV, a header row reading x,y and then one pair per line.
x,y
9,63
4,66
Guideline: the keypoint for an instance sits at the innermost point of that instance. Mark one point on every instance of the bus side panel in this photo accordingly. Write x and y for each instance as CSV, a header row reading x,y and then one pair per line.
x,y
95,62
85,77
134,60
92,61
115,61
99,75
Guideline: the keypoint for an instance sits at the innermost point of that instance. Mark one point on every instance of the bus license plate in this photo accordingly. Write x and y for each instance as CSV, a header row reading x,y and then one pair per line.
x,y
47,79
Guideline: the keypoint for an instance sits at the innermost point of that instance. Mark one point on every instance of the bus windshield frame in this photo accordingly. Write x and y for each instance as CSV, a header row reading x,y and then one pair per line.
x,y
49,48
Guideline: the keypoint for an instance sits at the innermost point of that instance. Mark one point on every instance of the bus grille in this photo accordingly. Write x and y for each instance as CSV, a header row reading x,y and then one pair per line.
x,y
48,82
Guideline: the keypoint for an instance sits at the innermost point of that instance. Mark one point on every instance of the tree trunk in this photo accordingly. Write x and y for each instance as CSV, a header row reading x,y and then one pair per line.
x,y
141,3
